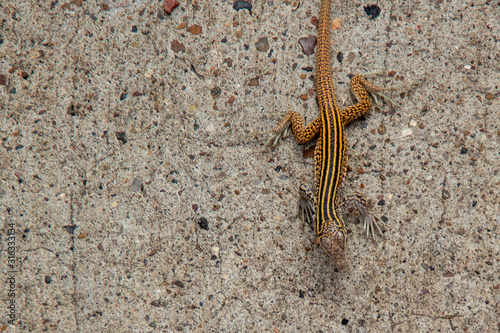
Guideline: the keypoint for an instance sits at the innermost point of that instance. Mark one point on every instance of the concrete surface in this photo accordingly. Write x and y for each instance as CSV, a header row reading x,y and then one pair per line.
x,y
114,152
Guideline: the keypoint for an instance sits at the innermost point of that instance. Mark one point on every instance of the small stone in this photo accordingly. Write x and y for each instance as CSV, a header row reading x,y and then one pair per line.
x,y
120,136
262,44
391,73
381,129
406,132
136,185
228,61
340,57
48,279
70,229
203,223
3,79
71,110
308,43
254,82
336,23
489,96
170,6
308,153
215,91
179,284
373,11
195,29
177,46
350,57
238,5
314,21
231,99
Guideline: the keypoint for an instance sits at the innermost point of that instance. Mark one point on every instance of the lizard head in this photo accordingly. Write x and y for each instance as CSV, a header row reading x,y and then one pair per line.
x,y
334,244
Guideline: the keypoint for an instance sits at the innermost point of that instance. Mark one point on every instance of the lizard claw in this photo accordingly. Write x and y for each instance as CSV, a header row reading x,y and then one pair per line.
x,y
370,225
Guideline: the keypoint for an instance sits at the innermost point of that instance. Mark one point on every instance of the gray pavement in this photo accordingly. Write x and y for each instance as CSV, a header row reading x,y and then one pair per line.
x,y
133,171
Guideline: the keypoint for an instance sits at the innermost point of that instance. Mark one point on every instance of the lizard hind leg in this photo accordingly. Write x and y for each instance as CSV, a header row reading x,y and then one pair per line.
x,y
280,131
360,88
375,90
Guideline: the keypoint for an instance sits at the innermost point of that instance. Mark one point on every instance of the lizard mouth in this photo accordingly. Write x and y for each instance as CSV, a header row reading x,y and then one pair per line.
x,y
335,250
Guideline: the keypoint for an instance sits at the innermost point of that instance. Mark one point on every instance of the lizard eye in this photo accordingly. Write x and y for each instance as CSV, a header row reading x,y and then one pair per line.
x,y
341,240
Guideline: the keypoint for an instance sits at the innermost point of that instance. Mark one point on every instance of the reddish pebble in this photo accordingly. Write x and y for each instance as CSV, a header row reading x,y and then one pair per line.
x,y
170,5
314,21
308,43
177,46
254,82
307,153
195,29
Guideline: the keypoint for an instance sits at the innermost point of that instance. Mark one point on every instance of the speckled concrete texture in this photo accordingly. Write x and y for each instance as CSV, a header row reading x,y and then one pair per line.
x,y
136,194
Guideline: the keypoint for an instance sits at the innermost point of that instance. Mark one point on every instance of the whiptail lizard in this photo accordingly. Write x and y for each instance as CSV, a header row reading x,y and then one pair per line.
x,y
330,154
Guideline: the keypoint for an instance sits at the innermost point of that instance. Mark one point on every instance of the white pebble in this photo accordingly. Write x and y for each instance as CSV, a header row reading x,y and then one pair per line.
x,y
406,132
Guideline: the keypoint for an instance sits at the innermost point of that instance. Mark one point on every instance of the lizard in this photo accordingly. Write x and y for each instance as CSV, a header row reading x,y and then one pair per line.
x,y
330,155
